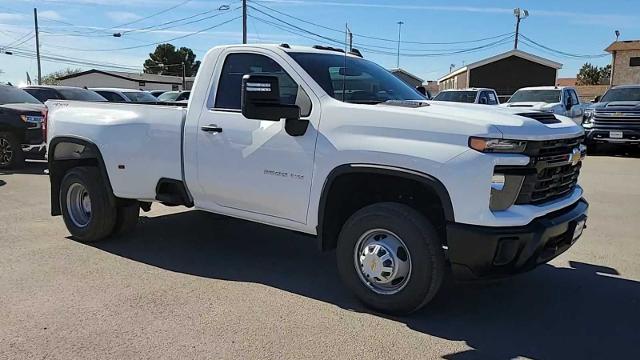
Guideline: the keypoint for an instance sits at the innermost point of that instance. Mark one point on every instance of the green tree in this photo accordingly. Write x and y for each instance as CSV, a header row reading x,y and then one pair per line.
x,y
167,60
605,74
588,75
52,78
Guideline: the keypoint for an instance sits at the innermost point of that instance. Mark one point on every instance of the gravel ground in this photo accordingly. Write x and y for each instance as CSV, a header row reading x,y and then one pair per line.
x,y
189,284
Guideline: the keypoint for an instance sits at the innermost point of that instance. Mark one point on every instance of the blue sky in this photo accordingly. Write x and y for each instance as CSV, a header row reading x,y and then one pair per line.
x,y
79,29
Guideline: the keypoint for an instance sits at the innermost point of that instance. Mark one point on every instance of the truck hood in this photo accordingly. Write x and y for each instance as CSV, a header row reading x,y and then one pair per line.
x,y
617,105
507,121
24,107
529,104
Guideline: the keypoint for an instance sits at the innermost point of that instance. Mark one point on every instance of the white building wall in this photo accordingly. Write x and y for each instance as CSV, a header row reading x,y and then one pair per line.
x,y
102,80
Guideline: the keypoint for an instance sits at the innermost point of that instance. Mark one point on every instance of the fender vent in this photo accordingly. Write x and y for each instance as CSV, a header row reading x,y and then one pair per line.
x,y
543,117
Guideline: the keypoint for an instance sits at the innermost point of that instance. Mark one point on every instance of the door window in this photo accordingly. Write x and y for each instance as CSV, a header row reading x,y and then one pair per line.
x,y
483,99
574,97
237,65
492,98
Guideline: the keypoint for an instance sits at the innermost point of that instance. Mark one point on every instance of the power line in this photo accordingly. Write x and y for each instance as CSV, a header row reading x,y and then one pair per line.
x,y
581,56
380,38
150,16
159,42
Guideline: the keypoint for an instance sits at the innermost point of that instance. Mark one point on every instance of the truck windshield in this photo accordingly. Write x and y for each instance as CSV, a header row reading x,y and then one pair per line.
x,y
140,96
13,95
80,94
548,96
457,96
622,94
360,81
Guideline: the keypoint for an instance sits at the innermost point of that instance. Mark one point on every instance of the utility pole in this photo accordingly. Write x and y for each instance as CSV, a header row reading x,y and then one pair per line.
x,y
35,20
349,37
184,77
519,14
399,30
244,21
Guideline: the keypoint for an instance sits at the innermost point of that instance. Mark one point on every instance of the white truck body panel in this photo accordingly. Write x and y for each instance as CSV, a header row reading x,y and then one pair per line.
x,y
256,171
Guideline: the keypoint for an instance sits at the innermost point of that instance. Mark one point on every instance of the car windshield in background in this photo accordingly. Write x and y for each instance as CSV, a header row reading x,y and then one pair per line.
x,y
140,96
457,96
548,96
360,81
169,96
622,94
80,94
13,95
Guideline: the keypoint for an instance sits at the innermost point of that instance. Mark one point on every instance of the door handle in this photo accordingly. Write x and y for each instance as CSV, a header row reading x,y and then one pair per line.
x,y
212,128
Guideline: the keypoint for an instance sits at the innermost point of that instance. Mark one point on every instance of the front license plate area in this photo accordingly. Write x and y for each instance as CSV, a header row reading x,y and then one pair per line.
x,y
615,134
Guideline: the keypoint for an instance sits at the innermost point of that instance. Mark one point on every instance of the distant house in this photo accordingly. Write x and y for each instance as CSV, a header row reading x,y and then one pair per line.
x,y
118,79
407,77
506,73
625,62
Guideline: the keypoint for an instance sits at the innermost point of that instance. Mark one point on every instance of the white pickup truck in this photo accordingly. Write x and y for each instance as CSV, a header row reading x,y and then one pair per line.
x,y
560,100
332,145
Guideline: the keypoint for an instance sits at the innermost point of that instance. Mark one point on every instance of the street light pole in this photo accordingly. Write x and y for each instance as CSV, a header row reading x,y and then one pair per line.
x,y
399,30
244,21
35,20
519,14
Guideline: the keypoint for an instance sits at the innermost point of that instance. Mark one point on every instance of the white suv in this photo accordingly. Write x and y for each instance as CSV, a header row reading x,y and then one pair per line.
x,y
471,96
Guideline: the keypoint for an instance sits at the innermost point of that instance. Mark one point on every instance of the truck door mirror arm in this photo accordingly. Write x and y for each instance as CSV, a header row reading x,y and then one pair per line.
x,y
261,101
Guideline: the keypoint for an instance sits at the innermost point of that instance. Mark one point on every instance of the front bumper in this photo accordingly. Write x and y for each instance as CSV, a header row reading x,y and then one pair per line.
x,y
602,135
487,252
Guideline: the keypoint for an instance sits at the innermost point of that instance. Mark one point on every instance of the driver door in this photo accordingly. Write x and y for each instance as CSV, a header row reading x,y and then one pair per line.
x,y
253,168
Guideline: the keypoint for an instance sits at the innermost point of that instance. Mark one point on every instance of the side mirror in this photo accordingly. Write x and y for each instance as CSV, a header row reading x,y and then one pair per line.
x,y
422,90
596,99
261,101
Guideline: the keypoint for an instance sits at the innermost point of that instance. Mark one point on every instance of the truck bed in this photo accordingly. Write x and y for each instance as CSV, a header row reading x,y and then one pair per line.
x,y
140,144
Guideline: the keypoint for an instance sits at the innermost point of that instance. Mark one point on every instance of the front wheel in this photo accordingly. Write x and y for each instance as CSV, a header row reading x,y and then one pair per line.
x,y
391,257
11,155
86,209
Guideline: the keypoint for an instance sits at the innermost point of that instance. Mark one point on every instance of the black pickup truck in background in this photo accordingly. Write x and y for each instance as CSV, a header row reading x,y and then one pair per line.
x,y
21,134
614,118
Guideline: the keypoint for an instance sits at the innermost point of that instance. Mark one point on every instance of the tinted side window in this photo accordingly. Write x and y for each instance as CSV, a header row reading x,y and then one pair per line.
x,y
574,97
237,65
111,96
43,94
483,98
492,98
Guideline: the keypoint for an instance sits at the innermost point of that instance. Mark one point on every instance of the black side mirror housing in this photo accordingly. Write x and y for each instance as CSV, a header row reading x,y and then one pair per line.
x,y
422,90
596,99
261,101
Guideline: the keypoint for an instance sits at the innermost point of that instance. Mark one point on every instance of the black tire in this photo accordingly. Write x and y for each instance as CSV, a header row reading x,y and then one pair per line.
x,y
15,157
102,217
422,242
126,219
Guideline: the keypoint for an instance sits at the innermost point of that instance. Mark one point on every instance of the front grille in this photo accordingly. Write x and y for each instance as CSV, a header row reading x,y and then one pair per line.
x,y
549,175
543,117
610,117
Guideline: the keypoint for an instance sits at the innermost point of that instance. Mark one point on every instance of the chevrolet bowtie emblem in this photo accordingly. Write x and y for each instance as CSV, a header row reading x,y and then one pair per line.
x,y
575,157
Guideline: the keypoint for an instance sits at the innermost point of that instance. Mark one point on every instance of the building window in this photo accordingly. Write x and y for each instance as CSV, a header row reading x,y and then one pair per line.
x,y
634,61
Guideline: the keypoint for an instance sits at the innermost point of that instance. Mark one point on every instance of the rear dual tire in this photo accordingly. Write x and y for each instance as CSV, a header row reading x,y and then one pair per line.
x,y
88,212
390,256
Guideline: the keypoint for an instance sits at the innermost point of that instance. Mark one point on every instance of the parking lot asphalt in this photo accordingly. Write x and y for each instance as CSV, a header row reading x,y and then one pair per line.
x,y
188,284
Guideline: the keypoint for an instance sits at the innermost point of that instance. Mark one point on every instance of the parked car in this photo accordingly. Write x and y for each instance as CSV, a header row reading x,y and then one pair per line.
x,y
561,100
54,92
157,93
174,96
125,95
20,127
614,118
471,96
405,189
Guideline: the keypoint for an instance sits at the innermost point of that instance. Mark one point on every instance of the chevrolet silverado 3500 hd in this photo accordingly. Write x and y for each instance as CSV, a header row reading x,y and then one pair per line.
x,y
335,146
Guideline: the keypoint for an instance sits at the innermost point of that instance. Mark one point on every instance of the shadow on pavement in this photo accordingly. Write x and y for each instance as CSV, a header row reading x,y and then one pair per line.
x,y
615,151
578,312
30,168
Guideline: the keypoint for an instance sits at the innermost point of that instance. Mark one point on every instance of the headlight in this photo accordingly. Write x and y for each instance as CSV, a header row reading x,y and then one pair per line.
x,y
587,117
31,118
497,145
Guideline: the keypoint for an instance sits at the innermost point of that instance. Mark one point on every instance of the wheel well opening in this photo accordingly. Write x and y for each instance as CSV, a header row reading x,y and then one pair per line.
x,y
350,192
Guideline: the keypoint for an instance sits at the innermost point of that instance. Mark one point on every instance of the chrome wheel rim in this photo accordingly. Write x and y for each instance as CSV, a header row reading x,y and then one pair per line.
x,y
382,261
6,152
79,205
